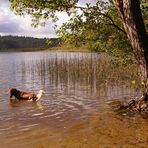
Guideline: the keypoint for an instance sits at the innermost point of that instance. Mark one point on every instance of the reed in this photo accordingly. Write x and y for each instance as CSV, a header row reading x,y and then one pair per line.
x,y
91,71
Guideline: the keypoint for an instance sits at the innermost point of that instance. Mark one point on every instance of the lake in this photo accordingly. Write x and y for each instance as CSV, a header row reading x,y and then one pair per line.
x,y
78,110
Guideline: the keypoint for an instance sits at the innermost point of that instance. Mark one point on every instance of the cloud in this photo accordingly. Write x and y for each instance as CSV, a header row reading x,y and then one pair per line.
x,y
8,23
5,28
11,24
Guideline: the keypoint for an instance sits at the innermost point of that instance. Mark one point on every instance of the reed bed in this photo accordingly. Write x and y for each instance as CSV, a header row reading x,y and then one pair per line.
x,y
88,70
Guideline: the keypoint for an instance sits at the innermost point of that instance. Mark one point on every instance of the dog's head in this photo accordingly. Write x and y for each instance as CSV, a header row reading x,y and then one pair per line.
x,y
13,92
41,91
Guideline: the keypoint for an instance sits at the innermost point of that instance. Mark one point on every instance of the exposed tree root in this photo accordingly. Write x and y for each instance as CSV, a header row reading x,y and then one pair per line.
x,y
138,105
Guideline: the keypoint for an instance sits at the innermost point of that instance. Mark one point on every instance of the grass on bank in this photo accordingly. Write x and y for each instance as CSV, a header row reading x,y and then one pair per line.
x,y
68,48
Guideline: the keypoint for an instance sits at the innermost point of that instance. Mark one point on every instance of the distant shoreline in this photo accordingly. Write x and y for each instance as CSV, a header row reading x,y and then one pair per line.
x,y
22,50
60,49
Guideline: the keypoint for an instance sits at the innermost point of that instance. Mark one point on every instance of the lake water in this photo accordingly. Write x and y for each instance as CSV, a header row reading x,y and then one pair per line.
x,y
82,91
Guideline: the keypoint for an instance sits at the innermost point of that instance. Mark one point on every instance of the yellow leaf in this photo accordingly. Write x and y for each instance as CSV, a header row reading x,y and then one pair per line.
x,y
133,82
142,83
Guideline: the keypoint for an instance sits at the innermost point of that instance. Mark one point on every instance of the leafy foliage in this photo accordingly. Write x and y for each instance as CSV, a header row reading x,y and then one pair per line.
x,y
98,29
41,9
144,8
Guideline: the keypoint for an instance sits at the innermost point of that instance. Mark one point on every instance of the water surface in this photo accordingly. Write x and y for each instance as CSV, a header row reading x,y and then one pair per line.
x,y
77,110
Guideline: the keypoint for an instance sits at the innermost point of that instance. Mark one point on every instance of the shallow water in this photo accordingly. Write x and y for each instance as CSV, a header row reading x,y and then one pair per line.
x,y
82,91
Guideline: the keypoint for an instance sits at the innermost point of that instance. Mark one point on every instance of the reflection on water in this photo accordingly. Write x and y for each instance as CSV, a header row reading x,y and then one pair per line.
x,y
80,90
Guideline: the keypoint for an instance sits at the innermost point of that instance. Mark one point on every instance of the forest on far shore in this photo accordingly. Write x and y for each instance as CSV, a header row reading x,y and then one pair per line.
x,y
17,42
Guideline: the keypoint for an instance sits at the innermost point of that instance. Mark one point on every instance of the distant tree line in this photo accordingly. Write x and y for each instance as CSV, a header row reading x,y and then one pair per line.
x,y
16,42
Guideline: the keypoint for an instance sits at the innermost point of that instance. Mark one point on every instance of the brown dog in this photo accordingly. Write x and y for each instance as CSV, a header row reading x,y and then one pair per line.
x,y
20,95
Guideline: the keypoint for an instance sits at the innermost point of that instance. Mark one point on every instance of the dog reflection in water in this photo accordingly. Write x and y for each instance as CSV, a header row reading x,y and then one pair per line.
x,y
20,95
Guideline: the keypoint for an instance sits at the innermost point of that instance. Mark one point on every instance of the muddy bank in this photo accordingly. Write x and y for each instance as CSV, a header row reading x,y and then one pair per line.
x,y
98,130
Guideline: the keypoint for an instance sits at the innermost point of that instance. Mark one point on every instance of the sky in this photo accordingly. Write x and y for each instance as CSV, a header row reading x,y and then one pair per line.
x,y
11,24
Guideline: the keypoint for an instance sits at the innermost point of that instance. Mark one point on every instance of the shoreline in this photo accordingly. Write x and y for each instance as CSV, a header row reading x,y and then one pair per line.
x,y
22,50
56,49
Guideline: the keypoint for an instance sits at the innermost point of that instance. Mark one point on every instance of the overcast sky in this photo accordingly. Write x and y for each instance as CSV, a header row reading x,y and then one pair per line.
x,y
10,24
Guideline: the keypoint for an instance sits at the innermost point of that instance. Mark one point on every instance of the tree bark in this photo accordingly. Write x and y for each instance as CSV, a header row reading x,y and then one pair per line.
x,y
133,23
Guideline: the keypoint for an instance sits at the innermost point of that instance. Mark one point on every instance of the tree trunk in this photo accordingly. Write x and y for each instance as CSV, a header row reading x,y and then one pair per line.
x,y
131,16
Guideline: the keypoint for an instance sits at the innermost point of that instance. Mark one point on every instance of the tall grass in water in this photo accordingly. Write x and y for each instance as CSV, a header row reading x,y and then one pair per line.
x,y
90,72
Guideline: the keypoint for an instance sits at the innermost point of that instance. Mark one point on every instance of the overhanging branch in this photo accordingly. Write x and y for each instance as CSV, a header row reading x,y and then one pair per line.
x,y
117,27
105,15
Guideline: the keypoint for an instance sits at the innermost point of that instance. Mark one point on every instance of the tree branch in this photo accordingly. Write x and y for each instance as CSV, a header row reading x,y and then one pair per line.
x,y
117,27
112,22
106,16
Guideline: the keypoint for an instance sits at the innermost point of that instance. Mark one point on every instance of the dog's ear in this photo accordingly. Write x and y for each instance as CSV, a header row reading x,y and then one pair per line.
x,y
12,92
